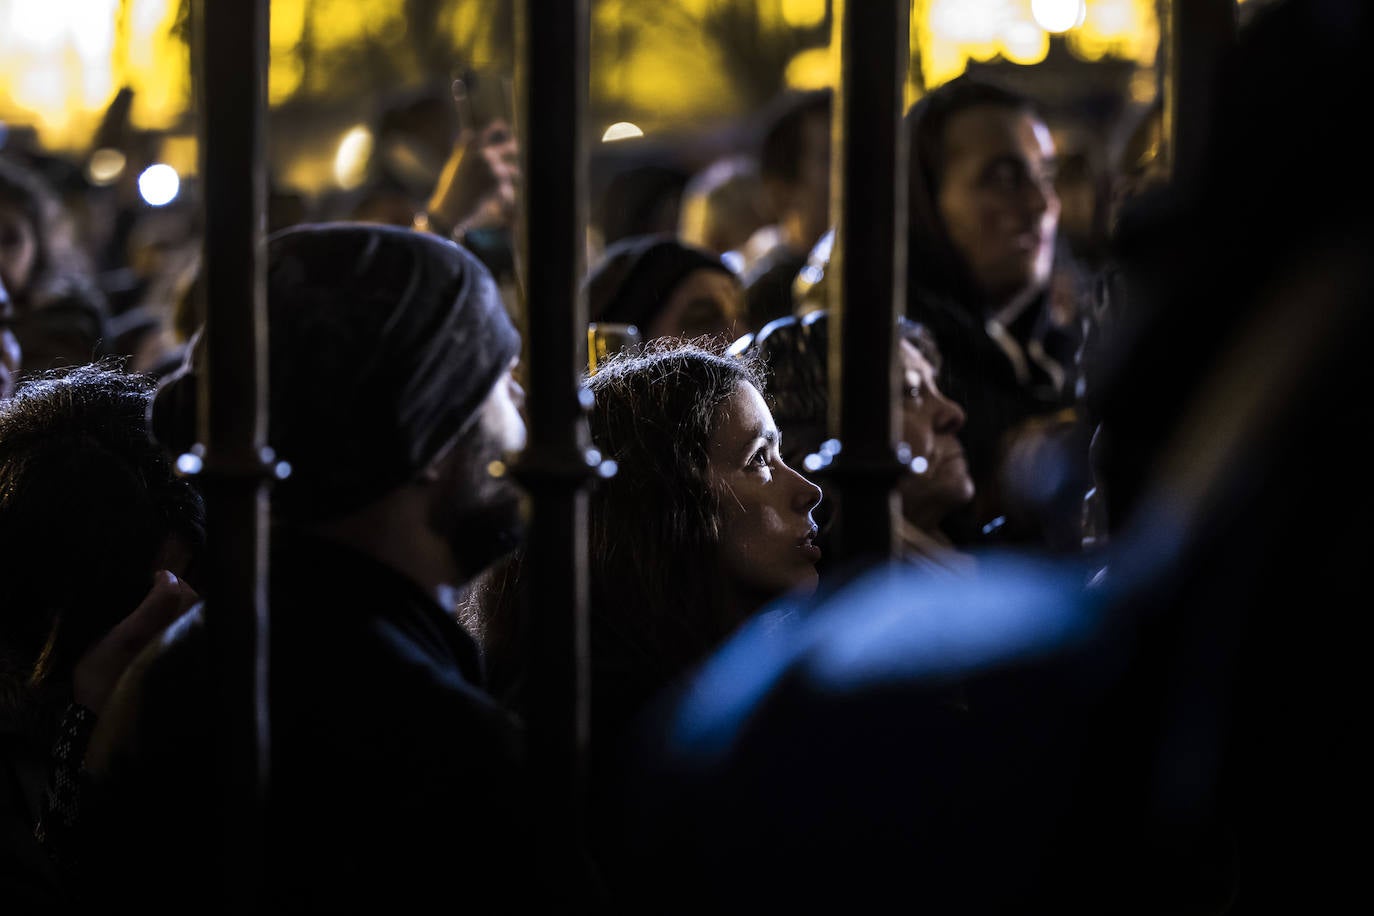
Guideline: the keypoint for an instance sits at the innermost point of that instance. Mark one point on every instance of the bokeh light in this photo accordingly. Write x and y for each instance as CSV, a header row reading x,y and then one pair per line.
x,y
159,184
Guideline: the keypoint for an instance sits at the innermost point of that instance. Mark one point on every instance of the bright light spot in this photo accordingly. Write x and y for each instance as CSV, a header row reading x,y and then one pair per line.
x,y
350,161
621,130
39,25
974,21
1112,19
159,184
803,14
919,465
105,166
813,462
187,463
1058,15
810,69
1025,44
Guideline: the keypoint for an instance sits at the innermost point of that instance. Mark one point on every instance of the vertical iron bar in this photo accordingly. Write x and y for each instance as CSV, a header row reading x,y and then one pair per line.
x,y
1197,34
551,79
231,50
867,203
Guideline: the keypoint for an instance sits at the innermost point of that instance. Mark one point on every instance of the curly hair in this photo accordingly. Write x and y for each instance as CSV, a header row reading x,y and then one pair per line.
x,y
657,602
654,525
87,502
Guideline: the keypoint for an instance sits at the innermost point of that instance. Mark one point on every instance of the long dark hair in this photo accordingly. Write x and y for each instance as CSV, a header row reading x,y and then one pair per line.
x,y
654,525
657,603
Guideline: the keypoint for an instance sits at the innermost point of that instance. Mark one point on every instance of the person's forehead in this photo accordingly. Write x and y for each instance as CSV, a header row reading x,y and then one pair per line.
x,y
984,132
913,360
743,417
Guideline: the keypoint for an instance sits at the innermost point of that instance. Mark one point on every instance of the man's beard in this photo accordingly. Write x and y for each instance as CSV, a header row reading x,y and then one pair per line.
x,y
482,517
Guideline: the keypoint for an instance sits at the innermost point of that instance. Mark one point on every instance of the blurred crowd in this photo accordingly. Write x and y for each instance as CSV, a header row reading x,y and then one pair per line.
x,y
1050,698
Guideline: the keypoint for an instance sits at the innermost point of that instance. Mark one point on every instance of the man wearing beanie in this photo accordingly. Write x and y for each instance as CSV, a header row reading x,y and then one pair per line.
x,y
394,779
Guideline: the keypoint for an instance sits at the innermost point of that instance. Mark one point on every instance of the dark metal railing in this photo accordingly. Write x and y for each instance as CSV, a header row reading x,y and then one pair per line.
x,y
868,192
1195,36
230,49
551,79
868,261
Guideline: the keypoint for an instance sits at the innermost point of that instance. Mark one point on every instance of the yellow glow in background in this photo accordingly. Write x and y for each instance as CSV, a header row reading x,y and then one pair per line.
x,y
62,61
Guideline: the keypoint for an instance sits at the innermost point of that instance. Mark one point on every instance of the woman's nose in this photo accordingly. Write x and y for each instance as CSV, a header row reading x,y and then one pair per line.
x,y
808,495
949,416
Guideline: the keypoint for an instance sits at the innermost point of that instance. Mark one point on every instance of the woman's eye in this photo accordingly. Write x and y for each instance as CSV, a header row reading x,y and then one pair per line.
x,y
759,459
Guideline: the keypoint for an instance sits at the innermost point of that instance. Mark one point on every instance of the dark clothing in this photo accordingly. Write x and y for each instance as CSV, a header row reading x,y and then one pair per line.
x,y
395,781
28,877
1087,769
768,285
1033,370
822,762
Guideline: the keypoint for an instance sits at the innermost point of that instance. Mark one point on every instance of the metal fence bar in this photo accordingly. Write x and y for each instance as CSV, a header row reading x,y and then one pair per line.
x,y
869,258
231,52
551,79
1196,36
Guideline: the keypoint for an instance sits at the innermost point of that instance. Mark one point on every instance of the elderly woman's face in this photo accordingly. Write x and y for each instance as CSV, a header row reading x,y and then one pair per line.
x,y
939,482
766,531
18,249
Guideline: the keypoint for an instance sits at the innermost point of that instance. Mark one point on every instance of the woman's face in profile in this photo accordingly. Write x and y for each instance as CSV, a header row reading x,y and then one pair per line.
x,y
766,530
18,249
939,482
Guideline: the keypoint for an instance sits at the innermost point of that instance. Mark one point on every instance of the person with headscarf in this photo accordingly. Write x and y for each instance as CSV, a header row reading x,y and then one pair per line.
x,y
395,780
665,288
